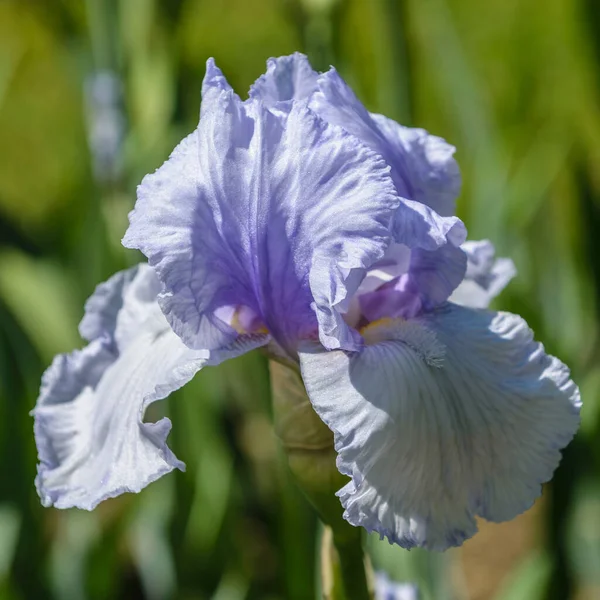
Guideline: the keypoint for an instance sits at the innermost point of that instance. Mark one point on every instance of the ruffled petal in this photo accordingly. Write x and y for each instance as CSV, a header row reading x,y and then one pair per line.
x,y
419,280
287,78
425,175
431,174
280,214
436,274
455,414
91,438
103,306
418,226
486,275
214,81
423,167
337,103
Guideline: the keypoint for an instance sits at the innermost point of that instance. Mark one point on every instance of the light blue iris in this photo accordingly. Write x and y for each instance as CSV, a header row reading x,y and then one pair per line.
x,y
298,221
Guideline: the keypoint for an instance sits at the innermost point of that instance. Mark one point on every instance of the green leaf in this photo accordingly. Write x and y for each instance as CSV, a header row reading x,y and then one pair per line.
x,y
40,295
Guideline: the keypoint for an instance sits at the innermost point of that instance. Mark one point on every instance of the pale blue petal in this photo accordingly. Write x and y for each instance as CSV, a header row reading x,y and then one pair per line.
x,y
214,81
281,214
337,103
456,414
419,280
432,174
164,234
425,175
486,275
423,167
437,274
103,306
92,441
287,78
418,226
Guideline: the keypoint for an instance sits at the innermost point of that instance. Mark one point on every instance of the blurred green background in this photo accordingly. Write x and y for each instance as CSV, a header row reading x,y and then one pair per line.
x,y
94,94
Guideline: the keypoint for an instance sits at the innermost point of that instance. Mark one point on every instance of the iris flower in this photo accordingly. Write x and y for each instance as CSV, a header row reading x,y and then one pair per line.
x,y
299,222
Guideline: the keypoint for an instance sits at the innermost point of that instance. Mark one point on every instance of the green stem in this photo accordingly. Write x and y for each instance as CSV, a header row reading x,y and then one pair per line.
x,y
352,571
311,456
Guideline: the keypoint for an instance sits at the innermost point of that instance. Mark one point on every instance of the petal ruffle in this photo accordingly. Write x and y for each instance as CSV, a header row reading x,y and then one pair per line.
x,y
103,306
425,175
456,414
486,275
437,274
214,80
287,78
281,214
92,441
418,280
433,176
423,167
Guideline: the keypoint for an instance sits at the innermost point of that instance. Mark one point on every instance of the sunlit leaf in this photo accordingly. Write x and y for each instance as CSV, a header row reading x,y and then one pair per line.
x,y
43,152
43,299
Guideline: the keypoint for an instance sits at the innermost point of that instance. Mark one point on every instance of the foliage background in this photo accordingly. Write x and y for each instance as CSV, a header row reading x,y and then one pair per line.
x,y
512,83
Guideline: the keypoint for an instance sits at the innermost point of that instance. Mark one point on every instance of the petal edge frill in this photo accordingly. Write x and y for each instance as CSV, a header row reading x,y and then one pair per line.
x,y
280,214
423,167
287,78
486,276
456,414
92,441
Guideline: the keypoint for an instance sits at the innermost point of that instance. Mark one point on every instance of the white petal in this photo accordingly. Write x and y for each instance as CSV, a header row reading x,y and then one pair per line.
x,y
91,438
103,306
486,275
456,414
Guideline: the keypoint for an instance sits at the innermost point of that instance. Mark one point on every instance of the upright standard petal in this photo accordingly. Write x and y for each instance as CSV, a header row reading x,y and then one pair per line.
x,y
428,281
425,175
280,214
214,80
287,78
423,167
456,414
433,176
92,441
486,275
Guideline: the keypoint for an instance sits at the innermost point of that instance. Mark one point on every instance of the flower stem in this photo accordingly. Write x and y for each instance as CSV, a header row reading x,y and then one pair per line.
x,y
308,443
344,569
